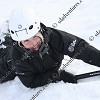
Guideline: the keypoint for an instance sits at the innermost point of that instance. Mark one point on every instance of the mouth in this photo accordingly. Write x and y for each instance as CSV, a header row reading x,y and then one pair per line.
x,y
36,48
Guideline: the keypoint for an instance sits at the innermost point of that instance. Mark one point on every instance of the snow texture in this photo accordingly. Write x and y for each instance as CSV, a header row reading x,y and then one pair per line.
x,y
83,21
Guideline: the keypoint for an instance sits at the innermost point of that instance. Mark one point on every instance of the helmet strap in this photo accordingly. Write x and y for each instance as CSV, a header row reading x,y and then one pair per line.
x,y
43,49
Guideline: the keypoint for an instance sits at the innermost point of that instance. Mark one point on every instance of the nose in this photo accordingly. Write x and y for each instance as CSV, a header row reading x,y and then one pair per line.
x,y
33,43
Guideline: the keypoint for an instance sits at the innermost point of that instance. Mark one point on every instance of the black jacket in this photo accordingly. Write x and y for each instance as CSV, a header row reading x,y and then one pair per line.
x,y
35,70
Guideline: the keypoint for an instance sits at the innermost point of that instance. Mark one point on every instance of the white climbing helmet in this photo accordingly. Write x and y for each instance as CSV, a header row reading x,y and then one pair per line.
x,y
23,23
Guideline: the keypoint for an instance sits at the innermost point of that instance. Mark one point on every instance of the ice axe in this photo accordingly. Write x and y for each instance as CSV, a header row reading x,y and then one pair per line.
x,y
86,75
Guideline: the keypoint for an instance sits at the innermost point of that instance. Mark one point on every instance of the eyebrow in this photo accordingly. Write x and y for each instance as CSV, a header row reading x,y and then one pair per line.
x,y
26,40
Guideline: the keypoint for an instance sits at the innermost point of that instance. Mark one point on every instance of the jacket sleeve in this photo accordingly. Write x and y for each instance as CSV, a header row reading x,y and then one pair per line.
x,y
75,47
33,80
29,76
66,43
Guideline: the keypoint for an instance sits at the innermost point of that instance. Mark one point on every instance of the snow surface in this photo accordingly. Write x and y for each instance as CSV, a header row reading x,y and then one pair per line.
x,y
84,21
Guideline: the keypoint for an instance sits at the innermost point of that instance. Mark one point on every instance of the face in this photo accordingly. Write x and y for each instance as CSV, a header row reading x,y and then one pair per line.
x,y
32,43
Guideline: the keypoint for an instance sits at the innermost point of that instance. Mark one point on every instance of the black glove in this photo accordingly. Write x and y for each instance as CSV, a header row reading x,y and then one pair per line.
x,y
62,75
67,77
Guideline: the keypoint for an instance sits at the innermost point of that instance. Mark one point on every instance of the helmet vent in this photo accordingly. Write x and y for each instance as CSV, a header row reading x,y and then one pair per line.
x,y
12,32
30,27
19,26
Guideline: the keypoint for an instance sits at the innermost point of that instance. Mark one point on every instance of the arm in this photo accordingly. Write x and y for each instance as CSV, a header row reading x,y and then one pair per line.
x,y
33,80
76,47
66,43
27,72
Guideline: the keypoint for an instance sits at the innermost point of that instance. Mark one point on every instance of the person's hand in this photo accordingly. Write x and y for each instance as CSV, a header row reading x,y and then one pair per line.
x,y
67,77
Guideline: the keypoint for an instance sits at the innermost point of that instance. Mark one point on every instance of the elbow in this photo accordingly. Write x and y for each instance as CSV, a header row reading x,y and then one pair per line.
x,y
29,85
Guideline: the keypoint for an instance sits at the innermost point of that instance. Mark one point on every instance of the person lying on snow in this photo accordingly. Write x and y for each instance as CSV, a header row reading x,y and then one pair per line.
x,y
35,52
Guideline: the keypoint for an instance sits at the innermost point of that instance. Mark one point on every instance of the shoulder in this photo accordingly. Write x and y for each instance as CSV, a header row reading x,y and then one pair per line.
x,y
17,52
55,39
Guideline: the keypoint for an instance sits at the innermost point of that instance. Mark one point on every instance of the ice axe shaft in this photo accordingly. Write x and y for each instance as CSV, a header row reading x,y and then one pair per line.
x,y
86,75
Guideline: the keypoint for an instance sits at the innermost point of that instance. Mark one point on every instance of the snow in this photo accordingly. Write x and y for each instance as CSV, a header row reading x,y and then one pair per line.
x,y
84,21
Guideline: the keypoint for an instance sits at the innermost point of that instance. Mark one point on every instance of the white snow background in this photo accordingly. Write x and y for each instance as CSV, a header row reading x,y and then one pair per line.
x,y
84,21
